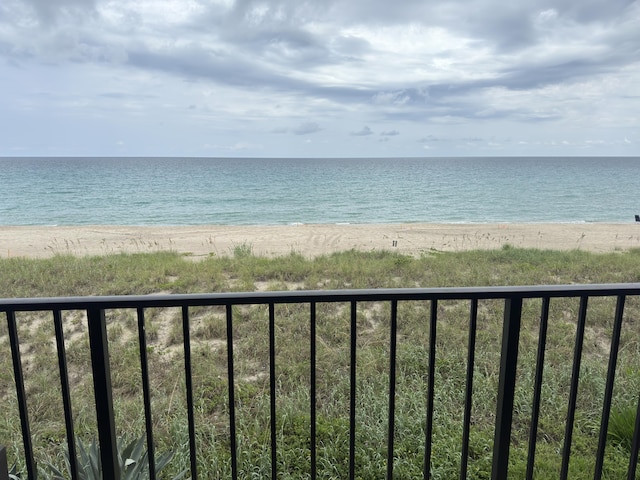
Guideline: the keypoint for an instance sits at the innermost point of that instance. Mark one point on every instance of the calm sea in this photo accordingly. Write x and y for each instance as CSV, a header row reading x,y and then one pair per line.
x,y
192,191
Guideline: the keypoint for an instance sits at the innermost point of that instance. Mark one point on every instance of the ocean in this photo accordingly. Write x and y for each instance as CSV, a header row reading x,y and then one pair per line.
x,y
232,191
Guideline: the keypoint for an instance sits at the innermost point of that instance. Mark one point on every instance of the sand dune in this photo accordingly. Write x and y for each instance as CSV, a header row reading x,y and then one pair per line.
x,y
312,240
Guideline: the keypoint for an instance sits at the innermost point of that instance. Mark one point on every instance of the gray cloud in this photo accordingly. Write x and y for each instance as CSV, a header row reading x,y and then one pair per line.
x,y
363,132
51,11
227,43
430,139
306,128
341,62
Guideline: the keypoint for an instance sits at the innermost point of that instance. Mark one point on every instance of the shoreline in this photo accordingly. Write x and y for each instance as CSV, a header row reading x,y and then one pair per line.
x,y
311,240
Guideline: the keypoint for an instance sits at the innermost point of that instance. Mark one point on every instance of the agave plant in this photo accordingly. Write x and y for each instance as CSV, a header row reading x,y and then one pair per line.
x,y
13,473
132,459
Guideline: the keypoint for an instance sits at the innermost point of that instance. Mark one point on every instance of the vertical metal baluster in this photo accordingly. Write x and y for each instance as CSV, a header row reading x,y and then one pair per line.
x,y
66,395
101,369
21,393
537,388
4,468
272,390
352,393
146,395
393,336
573,394
506,386
608,393
312,379
635,446
471,351
232,401
430,393
186,338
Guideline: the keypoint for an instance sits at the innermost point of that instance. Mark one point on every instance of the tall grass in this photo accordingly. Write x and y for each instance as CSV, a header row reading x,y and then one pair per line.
x,y
171,273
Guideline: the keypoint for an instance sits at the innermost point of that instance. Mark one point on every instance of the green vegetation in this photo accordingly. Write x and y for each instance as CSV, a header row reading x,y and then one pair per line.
x,y
132,460
171,273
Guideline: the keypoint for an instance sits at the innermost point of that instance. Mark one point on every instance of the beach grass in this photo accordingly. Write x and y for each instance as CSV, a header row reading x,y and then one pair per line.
x,y
169,272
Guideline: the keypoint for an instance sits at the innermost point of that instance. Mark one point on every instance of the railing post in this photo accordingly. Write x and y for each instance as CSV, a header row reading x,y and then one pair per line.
x,y
608,391
66,395
232,402
146,393
98,344
352,392
188,380
573,391
32,472
506,387
313,393
4,468
393,344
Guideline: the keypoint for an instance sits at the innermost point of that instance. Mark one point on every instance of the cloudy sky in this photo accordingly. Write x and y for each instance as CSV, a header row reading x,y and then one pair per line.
x,y
334,78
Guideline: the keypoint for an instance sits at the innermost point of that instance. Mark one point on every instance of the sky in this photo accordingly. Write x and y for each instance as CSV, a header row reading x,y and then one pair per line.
x,y
319,78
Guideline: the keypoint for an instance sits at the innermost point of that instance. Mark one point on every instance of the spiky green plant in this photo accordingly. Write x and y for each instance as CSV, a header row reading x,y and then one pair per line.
x,y
132,460
13,473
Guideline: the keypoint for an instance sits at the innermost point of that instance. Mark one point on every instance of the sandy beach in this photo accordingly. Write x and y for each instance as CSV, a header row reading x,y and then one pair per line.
x,y
311,240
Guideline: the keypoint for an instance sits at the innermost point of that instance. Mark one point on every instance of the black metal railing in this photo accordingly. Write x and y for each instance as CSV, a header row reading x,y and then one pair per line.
x,y
512,297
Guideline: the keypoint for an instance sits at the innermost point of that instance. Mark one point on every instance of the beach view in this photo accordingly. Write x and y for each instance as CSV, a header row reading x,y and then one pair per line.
x,y
289,240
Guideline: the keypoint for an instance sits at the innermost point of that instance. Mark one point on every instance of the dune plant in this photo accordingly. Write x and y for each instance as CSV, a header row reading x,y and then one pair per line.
x,y
168,272
132,459
13,473
621,425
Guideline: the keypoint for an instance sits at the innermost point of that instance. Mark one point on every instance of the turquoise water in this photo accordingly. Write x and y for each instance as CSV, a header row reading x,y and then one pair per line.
x,y
191,191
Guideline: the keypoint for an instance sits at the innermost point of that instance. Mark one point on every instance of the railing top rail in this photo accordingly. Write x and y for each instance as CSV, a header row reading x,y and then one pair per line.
x,y
303,296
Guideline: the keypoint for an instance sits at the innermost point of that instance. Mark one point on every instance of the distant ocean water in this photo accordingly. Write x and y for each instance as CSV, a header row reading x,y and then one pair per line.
x,y
198,191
